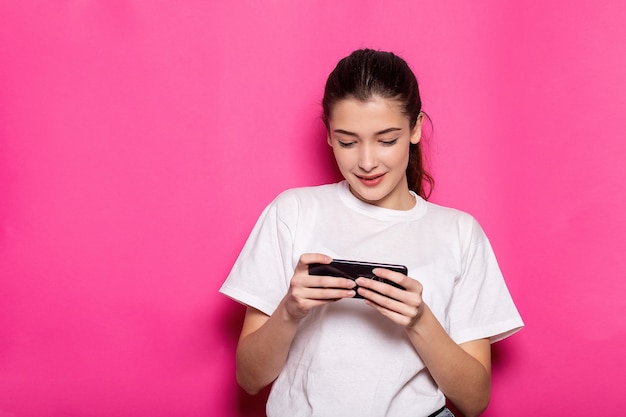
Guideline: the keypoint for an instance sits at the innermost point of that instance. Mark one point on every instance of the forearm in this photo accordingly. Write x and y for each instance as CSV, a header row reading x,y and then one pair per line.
x,y
261,354
265,340
461,377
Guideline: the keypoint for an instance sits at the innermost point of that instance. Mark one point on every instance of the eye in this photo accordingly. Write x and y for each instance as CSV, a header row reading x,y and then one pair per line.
x,y
389,142
345,144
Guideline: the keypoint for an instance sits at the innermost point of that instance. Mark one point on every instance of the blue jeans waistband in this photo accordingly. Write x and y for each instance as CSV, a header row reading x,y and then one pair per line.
x,y
442,412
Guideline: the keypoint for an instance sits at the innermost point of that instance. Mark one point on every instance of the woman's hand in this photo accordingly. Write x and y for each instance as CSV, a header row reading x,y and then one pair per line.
x,y
404,307
463,373
309,291
265,340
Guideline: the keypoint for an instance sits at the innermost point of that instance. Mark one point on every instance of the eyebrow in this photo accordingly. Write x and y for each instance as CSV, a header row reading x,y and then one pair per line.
x,y
382,132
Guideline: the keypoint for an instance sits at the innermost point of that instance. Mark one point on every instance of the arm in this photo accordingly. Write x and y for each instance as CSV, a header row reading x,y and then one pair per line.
x,y
263,346
462,372
265,340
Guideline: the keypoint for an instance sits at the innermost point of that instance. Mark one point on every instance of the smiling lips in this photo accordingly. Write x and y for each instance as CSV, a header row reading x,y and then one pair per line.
x,y
371,181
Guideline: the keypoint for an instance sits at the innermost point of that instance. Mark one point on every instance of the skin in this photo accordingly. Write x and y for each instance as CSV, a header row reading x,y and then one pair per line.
x,y
370,141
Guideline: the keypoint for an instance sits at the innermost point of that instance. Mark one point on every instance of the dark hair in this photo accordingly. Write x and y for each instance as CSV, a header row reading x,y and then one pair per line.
x,y
366,73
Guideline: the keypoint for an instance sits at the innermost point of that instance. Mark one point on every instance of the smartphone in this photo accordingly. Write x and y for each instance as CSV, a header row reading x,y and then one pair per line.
x,y
355,269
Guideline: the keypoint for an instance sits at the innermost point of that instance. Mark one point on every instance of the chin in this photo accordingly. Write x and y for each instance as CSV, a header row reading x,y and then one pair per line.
x,y
369,196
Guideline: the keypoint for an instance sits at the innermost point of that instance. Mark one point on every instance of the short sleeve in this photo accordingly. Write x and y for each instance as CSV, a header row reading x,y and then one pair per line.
x,y
260,277
481,304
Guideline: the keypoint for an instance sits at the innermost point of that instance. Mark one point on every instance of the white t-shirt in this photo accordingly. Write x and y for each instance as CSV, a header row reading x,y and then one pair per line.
x,y
346,358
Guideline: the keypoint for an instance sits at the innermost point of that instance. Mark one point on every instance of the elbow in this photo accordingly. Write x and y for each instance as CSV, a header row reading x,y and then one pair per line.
x,y
251,378
244,377
476,412
247,385
249,390
250,384
473,405
477,407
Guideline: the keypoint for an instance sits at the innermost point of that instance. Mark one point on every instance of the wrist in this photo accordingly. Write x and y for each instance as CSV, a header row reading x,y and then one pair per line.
x,y
286,316
421,322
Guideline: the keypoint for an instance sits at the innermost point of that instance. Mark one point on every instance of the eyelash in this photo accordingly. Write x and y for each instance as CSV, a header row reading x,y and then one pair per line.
x,y
383,142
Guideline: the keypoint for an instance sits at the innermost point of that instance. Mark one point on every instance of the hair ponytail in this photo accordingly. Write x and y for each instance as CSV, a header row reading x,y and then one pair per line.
x,y
366,73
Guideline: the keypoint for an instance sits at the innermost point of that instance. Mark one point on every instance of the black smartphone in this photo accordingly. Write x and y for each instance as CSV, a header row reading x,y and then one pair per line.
x,y
354,269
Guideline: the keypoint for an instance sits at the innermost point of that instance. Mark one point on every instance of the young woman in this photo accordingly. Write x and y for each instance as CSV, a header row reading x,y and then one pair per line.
x,y
394,352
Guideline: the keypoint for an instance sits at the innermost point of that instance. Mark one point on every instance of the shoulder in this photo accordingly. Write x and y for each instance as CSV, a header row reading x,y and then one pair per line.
x,y
310,194
450,215
290,202
456,224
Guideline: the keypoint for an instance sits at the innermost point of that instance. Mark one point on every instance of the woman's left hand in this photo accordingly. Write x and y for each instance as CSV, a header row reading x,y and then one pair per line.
x,y
404,307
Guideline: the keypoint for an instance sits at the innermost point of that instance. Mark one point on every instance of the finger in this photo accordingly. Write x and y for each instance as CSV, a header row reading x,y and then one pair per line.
x,y
394,276
381,287
380,299
382,304
402,314
411,285
313,258
390,298
324,293
330,293
321,281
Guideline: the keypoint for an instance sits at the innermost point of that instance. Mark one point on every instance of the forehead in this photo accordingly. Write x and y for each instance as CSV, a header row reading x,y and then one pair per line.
x,y
375,114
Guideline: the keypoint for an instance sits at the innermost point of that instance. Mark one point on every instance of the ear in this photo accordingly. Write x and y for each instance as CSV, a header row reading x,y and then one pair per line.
x,y
329,140
416,134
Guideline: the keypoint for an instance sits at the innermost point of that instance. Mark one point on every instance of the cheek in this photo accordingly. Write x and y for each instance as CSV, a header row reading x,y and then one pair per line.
x,y
405,158
344,159
398,157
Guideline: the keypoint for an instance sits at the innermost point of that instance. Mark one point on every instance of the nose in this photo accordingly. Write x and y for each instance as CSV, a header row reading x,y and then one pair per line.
x,y
367,158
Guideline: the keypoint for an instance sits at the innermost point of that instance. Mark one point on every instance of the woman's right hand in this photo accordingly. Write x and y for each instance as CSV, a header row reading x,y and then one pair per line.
x,y
307,292
265,340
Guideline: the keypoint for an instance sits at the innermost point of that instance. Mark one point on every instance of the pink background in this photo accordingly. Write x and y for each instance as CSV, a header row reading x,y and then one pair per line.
x,y
140,140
